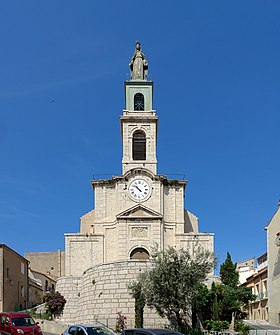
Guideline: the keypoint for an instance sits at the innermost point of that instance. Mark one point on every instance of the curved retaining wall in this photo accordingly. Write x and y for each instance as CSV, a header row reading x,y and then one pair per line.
x,y
101,292
53,327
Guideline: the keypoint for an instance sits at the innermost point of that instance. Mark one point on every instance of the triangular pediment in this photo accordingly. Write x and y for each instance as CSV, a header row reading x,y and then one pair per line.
x,y
139,211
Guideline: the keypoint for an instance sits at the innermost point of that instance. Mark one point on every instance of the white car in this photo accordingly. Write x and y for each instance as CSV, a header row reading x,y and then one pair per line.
x,y
88,329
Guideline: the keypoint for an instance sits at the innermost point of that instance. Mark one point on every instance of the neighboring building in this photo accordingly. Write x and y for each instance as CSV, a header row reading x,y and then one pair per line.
x,y
35,290
132,213
47,282
50,263
13,280
273,253
258,309
39,284
245,269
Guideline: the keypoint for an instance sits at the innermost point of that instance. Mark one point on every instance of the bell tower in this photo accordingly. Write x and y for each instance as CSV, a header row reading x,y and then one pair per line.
x,y
139,121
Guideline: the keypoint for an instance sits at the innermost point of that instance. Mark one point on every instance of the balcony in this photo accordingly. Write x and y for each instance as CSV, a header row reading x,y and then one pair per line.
x,y
261,296
262,265
264,295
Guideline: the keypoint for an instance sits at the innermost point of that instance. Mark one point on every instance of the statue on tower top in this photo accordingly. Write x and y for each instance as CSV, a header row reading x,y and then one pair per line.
x,y
138,64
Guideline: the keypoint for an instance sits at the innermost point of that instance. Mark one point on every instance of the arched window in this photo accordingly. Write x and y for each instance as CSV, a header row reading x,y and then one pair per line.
x,y
138,102
139,253
139,146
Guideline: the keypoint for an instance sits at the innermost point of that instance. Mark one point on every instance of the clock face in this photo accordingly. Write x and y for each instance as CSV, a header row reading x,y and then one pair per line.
x,y
139,189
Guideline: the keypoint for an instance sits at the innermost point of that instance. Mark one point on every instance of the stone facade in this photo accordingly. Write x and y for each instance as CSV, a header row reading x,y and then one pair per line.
x,y
133,213
120,225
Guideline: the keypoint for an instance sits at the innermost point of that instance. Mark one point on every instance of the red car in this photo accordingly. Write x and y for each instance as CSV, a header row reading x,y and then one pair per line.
x,y
18,323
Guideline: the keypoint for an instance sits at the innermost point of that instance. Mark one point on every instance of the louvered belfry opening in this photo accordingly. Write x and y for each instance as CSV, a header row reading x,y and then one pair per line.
x,y
139,146
138,102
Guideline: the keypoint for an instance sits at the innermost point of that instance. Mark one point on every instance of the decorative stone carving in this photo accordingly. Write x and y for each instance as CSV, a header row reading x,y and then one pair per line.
x,y
139,232
138,64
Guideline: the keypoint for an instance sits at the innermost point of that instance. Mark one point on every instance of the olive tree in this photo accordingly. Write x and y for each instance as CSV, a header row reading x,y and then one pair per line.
x,y
170,286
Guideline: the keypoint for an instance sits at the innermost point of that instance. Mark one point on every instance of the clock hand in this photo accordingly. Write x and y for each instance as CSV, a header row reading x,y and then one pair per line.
x,y
137,188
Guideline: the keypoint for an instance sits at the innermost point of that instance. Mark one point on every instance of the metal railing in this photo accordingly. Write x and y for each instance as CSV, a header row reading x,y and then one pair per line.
x,y
225,332
264,332
261,296
104,176
177,176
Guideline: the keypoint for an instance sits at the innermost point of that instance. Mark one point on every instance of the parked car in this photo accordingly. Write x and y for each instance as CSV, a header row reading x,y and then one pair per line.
x,y
149,331
18,323
87,329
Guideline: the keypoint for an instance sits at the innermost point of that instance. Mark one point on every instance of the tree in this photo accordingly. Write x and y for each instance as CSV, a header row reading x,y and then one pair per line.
x,y
229,274
215,304
232,300
136,290
232,295
201,305
55,303
171,285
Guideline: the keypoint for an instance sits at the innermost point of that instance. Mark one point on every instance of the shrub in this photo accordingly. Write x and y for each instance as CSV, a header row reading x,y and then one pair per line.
x,y
121,322
55,303
216,325
241,328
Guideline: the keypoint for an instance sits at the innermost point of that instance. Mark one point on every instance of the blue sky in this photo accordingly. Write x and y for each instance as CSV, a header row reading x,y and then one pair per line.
x,y
215,65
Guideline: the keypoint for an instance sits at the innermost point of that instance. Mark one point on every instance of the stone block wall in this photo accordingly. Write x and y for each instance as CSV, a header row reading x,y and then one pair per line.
x,y
69,287
101,292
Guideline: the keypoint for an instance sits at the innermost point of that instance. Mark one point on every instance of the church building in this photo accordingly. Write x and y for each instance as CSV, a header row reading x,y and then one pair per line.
x,y
132,213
